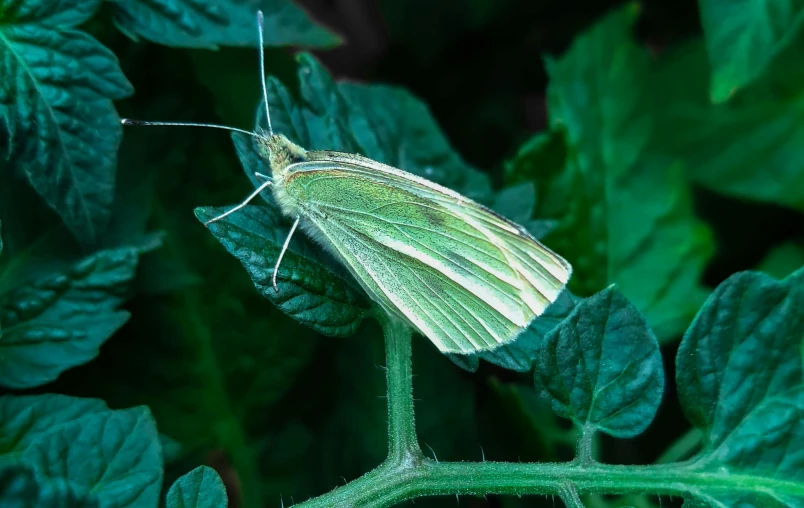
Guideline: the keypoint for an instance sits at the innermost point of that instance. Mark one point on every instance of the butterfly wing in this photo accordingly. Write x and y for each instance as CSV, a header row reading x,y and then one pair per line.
x,y
465,277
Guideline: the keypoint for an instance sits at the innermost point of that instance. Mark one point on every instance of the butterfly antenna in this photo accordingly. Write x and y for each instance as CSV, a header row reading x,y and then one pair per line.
x,y
128,121
262,71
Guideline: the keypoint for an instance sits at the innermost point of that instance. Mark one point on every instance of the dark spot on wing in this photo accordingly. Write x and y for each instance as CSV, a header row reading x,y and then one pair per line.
x,y
435,218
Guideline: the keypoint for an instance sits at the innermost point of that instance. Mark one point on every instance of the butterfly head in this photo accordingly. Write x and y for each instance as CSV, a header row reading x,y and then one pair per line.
x,y
280,152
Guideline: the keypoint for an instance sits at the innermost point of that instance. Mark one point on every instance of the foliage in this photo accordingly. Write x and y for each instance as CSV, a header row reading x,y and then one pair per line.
x,y
201,487
141,368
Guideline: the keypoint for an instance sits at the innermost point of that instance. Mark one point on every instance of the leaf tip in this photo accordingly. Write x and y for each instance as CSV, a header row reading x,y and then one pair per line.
x,y
202,214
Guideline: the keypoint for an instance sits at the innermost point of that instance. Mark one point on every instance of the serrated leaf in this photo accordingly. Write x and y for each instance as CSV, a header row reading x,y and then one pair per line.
x,y
209,24
114,455
58,320
200,488
623,214
743,37
19,488
739,376
56,110
308,289
601,367
748,148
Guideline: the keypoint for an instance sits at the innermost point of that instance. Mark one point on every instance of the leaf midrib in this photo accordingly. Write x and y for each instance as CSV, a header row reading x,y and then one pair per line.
x,y
62,147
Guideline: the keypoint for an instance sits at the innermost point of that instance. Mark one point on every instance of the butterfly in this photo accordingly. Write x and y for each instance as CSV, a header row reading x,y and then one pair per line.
x,y
462,275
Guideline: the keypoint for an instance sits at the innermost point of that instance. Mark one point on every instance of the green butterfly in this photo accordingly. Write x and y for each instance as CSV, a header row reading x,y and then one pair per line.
x,y
462,275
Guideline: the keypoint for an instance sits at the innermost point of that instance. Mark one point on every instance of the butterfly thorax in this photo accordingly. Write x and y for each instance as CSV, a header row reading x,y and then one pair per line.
x,y
281,153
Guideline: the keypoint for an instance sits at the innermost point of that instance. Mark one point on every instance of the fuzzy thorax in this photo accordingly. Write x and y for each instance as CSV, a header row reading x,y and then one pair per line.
x,y
281,153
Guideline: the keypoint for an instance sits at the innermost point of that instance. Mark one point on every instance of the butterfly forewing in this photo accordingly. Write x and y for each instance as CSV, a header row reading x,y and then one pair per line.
x,y
467,278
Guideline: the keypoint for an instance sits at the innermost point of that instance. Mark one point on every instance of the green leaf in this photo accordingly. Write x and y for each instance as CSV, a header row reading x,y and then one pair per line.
x,y
624,215
752,152
56,109
743,37
115,455
309,291
750,328
209,24
200,488
748,148
739,376
24,419
601,367
19,488
58,320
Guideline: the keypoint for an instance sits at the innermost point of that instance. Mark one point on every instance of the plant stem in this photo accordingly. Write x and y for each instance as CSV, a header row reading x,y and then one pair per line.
x,y
390,484
403,445
570,496
583,455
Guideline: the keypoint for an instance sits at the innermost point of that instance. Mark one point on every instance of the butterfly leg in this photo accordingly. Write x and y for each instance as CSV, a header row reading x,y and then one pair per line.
x,y
281,254
241,205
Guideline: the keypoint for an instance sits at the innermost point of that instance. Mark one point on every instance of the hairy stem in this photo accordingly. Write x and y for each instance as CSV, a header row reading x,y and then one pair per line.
x,y
390,483
403,445
583,454
570,496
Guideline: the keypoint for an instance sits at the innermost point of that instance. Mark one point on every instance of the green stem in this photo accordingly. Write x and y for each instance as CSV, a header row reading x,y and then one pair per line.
x,y
570,496
583,454
403,446
390,484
